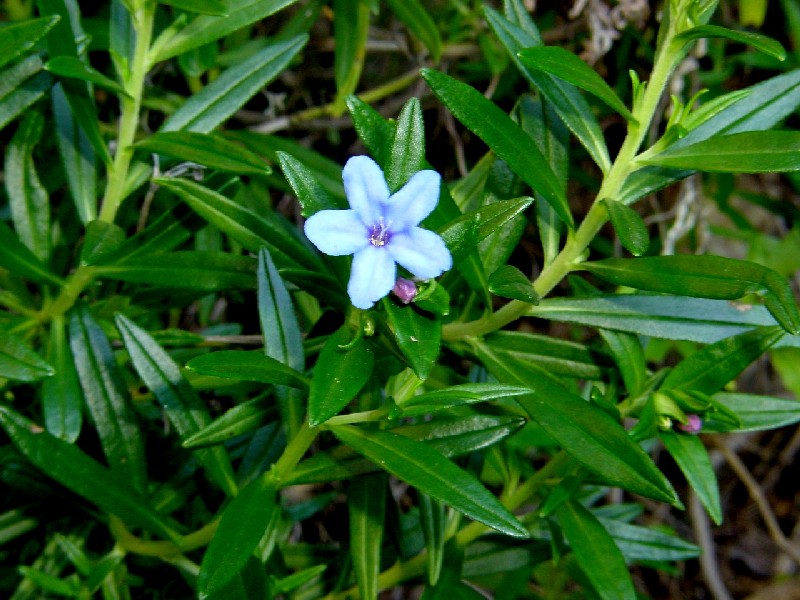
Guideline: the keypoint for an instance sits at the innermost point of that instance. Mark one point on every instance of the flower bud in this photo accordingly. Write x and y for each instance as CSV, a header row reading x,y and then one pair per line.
x,y
693,424
405,289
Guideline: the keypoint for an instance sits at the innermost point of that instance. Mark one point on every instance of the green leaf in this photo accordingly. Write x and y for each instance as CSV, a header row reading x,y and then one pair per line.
x,y
102,240
282,338
247,365
565,65
77,157
760,42
451,437
420,23
207,109
210,151
587,433
246,227
745,152
200,271
418,335
644,544
458,395
693,460
181,403
62,399
107,399
216,8
670,317
509,282
18,259
312,195
713,277
630,227
72,67
589,540
629,355
22,85
373,129
28,199
343,367
567,101
19,363
710,369
408,149
464,233
17,38
62,42
501,134
432,521
366,502
242,418
432,473
756,413
242,525
556,356
350,30
206,28
69,466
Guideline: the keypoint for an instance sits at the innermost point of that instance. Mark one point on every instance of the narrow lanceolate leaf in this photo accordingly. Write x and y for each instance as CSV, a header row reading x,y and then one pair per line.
x,y
642,543
342,369
350,30
586,433
62,399
630,227
589,541
28,199
72,67
17,38
408,149
77,156
283,341
73,469
243,225
432,473
501,134
366,501
373,129
107,399
760,42
693,460
565,65
200,271
509,282
242,418
246,365
420,23
432,521
204,111
458,395
629,355
520,33
204,29
18,362
746,152
704,277
19,260
180,401
755,412
710,369
242,525
210,151
418,335
312,196
214,8
22,85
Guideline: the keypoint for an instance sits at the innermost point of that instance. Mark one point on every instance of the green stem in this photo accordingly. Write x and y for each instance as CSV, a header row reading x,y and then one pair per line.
x,y
294,452
130,107
575,248
17,10
70,291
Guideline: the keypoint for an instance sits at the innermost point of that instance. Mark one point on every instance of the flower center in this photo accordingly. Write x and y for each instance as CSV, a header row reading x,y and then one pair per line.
x,y
379,234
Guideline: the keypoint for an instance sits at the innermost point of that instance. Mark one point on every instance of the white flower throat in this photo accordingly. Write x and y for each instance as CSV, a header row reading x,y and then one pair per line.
x,y
379,234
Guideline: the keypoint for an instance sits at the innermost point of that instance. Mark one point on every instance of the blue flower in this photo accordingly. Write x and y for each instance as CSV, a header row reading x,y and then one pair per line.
x,y
381,230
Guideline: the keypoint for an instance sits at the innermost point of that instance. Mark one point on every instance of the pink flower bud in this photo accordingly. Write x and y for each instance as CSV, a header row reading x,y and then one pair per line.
x,y
405,289
693,424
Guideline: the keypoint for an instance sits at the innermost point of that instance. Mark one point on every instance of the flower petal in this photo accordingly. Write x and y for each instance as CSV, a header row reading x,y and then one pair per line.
x,y
337,232
420,251
365,187
414,201
372,276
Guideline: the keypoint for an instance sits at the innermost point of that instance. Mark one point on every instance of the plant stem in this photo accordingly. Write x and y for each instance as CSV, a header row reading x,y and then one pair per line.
x,y
576,246
130,107
294,452
70,291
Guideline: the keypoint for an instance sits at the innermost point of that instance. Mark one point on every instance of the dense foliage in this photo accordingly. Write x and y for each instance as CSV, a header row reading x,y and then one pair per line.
x,y
209,388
